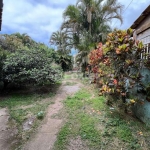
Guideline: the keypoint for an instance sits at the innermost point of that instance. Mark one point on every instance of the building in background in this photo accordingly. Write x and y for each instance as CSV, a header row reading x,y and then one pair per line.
x,y
1,11
142,33
142,30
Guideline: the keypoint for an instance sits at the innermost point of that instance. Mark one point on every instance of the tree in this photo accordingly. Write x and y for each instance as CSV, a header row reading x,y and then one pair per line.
x,y
88,21
30,67
27,41
91,16
22,60
62,41
10,43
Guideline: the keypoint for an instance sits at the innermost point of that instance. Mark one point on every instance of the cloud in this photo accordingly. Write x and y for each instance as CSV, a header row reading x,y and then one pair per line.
x,y
35,17
39,18
131,12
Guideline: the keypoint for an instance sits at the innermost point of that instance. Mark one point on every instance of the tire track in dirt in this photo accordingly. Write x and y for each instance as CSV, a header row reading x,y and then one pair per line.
x,y
47,133
7,135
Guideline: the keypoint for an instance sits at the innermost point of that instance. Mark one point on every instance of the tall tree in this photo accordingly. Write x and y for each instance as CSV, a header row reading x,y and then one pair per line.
x,y
88,21
91,16
62,41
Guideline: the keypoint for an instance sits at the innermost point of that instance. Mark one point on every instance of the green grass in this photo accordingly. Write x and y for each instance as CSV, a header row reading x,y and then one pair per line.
x,y
67,76
120,127
98,103
87,128
70,83
14,102
124,133
99,127
62,137
22,106
79,122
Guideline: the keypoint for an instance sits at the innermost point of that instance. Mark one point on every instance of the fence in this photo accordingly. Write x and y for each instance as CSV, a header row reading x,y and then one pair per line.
x,y
146,51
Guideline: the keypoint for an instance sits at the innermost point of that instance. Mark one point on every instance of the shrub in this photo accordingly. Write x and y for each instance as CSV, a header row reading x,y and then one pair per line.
x,y
118,64
30,66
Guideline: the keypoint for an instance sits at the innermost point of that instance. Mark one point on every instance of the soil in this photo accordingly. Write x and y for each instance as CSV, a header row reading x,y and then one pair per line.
x,y
77,144
7,136
46,135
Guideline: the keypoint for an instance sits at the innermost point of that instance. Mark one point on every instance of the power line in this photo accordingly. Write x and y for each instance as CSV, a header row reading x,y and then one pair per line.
x,y
128,5
124,10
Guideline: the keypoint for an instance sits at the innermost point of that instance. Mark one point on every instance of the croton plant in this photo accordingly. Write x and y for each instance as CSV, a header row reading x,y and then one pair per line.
x,y
118,64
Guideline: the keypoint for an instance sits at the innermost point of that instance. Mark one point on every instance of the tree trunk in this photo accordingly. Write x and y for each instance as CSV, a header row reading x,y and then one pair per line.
x,y
90,28
124,101
5,85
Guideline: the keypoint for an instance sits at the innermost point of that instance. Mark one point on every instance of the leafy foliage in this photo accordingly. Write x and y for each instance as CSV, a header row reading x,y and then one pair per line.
x,y
90,16
62,41
31,66
85,24
117,66
24,61
95,56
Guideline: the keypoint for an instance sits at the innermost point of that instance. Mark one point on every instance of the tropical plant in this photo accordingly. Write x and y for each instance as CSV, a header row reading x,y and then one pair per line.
x,y
30,67
10,43
22,60
95,56
86,23
91,16
119,68
62,41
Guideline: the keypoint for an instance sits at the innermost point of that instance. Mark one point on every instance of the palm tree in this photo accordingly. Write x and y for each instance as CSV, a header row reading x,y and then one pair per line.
x,y
61,40
26,40
83,50
100,12
88,20
91,16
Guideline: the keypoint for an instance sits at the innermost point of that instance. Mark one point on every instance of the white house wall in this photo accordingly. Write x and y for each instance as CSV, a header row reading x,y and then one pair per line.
x,y
144,36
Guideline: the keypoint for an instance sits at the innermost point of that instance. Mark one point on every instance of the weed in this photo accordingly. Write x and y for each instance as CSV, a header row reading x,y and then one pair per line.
x,y
40,115
87,129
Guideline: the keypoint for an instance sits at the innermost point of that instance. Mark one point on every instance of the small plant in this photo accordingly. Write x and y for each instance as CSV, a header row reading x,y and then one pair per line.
x,y
40,115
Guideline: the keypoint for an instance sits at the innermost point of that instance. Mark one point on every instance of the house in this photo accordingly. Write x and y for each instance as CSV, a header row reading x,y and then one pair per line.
x,y
142,26
1,10
142,33
142,30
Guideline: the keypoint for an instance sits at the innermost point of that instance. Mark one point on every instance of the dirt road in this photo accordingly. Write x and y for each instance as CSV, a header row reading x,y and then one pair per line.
x,y
47,133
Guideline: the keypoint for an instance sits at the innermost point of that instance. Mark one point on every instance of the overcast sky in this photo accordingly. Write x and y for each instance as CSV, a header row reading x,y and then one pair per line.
x,y
39,18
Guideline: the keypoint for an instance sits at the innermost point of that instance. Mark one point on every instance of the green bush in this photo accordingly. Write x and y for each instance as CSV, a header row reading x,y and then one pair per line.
x,y
31,67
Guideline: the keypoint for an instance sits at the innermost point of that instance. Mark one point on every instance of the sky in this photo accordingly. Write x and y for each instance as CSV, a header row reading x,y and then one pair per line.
x,y
40,18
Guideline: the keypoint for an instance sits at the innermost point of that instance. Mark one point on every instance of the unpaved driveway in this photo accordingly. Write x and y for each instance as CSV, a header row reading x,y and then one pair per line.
x,y
7,136
47,133
3,128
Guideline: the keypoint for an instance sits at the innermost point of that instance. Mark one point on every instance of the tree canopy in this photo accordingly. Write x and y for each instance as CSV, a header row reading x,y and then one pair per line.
x,y
85,25
25,61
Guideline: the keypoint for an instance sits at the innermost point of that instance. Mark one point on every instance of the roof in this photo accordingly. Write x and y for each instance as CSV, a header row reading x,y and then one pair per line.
x,y
144,14
1,11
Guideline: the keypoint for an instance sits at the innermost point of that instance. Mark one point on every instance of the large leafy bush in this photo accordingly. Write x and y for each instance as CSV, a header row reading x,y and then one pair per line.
x,y
120,69
31,66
